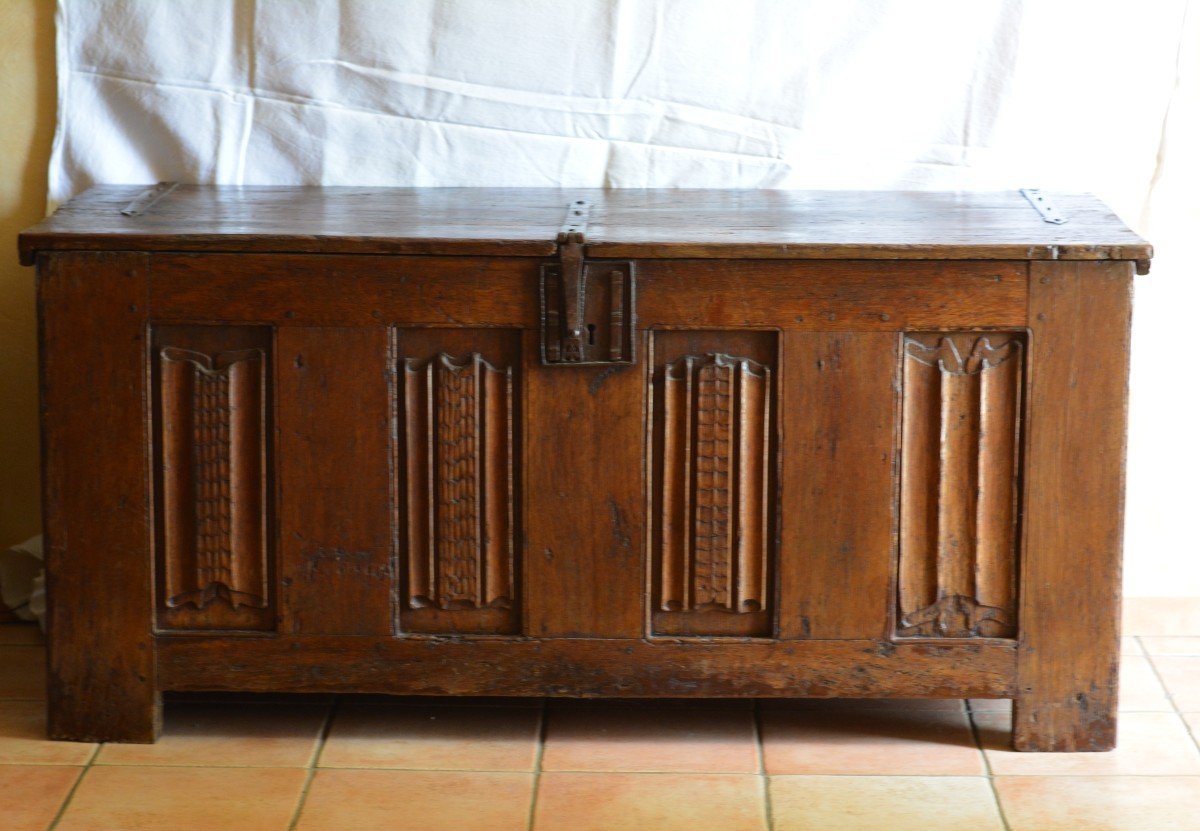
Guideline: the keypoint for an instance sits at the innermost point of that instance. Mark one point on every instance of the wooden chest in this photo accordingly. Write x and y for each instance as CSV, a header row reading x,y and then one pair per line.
x,y
584,443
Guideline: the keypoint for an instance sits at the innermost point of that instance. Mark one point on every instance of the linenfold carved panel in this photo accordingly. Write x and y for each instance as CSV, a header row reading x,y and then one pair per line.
x,y
959,484
212,413
713,474
456,428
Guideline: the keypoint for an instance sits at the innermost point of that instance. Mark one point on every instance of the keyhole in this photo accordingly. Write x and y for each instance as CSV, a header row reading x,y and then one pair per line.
x,y
591,334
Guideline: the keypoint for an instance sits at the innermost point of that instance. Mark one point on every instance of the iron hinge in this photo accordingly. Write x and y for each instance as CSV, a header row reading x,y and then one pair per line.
x,y
1042,204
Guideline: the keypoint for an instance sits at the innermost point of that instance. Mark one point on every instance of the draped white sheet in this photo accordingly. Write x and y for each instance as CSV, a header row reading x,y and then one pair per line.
x,y
1094,95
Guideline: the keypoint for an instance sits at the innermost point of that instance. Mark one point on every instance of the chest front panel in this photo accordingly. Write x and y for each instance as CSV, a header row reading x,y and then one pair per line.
x,y
378,446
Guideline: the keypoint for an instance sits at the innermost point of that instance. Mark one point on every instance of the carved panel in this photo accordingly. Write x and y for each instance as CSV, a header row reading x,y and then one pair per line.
x,y
959,484
456,424
211,408
713,460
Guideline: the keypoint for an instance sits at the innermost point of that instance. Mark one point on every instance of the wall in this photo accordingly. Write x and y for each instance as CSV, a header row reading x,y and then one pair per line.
x,y
27,104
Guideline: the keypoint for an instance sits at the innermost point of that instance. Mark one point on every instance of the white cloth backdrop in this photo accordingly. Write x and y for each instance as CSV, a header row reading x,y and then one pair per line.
x,y
987,94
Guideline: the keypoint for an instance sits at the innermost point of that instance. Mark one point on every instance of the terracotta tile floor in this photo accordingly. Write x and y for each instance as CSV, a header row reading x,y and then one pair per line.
x,y
363,763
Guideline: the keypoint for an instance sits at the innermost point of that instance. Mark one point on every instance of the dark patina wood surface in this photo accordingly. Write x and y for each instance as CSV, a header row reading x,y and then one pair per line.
x,y
625,223
848,444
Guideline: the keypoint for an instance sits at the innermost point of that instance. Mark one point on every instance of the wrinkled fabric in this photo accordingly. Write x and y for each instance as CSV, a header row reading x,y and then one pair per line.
x,y
661,93
23,580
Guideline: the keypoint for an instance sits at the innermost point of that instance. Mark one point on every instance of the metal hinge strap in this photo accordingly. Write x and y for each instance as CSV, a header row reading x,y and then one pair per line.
x,y
1042,204
147,198
576,222
571,277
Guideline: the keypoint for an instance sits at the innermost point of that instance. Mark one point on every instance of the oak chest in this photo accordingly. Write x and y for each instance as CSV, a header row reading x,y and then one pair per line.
x,y
584,443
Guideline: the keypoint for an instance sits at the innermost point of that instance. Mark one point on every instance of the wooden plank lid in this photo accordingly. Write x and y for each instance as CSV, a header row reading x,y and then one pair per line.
x,y
621,223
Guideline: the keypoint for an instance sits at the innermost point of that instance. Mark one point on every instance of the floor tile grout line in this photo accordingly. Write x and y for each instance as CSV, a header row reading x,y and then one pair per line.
x,y
543,725
313,761
160,764
987,765
700,773
62,809
303,797
1146,649
696,773
1174,705
326,729
768,808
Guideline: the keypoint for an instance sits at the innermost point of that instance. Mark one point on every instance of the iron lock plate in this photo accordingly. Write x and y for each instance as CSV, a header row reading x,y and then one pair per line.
x,y
587,307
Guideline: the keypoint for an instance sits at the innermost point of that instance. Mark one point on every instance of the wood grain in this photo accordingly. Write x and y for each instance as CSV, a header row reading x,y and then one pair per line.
x,y
830,296
624,223
585,514
96,498
458,445
1074,496
212,413
336,549
343,291
838,414
962,405
618,667
713,455
412,291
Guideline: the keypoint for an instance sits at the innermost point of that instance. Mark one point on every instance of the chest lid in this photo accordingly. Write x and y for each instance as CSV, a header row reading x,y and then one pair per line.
x,y
621,223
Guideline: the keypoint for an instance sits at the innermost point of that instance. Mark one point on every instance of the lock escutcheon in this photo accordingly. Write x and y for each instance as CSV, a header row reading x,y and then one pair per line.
x,y
587,307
